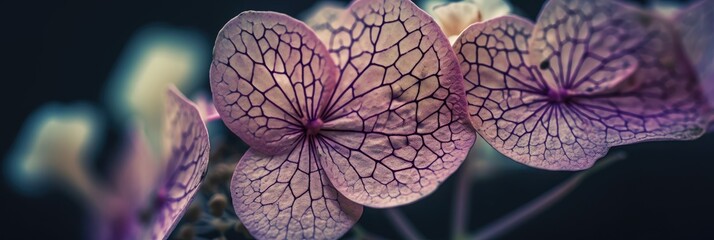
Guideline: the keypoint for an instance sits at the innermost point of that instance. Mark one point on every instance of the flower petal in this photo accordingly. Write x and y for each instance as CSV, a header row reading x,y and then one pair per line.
x,y
136,175
268,76
54,146
323,14
696,26
585,46
454,17
186,148
322,17
399,81
515,112
491,9
288,196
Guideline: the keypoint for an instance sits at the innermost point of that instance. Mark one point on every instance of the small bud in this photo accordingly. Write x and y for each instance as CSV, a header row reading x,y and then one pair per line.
x,y
217,204
193,213
186,232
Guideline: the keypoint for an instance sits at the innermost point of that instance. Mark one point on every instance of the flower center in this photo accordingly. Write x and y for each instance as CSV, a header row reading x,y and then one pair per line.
x,y
313,126
559,95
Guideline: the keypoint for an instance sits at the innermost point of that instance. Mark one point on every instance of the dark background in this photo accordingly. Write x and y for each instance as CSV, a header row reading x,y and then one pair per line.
x,y
65,50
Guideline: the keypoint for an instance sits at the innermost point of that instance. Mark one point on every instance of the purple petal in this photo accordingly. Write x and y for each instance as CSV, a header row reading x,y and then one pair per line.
x,y
268,76
288,196
565,113
206,108
395,127
186,148
137,174
322,14
322,17
585,46
696,26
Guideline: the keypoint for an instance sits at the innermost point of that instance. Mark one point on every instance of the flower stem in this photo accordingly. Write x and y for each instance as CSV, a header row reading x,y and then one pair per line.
x,y
543,202
460,208
403,225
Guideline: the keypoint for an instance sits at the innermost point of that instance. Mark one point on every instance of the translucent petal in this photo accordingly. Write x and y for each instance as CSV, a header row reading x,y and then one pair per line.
x,y
454,17
585,46
523,117
268,76
324,13
399,80
493,8
136,175
288,196
322,17
206,108
506,103
186,149
696,26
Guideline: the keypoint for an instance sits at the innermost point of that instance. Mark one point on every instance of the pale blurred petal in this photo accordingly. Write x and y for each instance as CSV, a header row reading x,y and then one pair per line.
x,y
157,56
454,17
491,9
137,173
321,13
665,8
322,17
55,144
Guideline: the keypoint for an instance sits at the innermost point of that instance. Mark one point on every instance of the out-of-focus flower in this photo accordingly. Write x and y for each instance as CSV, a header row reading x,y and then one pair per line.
x,y
454,17
157,56
160,193
55,144
666,8
696,29
165,159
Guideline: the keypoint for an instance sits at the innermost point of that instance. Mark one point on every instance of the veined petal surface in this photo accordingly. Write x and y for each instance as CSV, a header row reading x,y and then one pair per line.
x,y
696,29
268,77
395,127
186,148
288,196
588,76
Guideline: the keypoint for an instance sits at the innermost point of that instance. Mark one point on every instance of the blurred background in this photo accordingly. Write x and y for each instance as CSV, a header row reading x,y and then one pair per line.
x,y
71,52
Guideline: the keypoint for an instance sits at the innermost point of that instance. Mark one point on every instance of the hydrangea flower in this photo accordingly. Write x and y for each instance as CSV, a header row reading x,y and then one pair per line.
x,y
161,192
373,114
587,76
454,17
696,26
